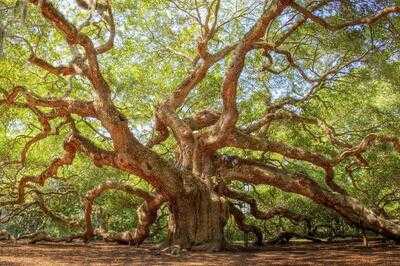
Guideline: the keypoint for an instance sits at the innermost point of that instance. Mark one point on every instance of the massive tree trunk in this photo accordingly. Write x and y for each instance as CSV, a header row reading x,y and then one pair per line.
x,y
197,220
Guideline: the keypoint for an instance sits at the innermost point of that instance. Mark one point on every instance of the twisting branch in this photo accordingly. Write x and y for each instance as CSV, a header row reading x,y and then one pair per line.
x,y
244,141
56,70
57,217
256,172
72,145
240,221
108,45
280,115
61,107
369,20
257,213
74,37
367,142
147,213
230,83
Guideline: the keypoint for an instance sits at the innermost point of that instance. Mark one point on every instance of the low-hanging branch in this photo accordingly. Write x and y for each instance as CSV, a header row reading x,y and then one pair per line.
x,y
147,213
263,215
247,228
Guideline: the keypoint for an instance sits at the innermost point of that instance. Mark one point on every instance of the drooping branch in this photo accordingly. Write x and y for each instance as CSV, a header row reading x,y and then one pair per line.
x,y
57,217
147,213
257,213
240,221
349,208
72,145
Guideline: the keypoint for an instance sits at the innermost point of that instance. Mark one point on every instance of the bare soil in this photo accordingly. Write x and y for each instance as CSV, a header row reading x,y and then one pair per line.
x,y
111,254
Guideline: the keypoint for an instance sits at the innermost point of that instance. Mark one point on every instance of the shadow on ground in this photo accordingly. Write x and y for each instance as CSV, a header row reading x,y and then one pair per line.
x,y
110,254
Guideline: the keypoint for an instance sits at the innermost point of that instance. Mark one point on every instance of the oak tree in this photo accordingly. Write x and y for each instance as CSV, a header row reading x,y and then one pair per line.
x,y
194,96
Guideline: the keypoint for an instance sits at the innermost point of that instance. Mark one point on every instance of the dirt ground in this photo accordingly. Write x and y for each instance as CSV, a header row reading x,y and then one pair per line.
x,y
111,254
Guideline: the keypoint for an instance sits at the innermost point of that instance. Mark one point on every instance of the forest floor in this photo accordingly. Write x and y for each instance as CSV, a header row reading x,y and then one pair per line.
x,y
111,254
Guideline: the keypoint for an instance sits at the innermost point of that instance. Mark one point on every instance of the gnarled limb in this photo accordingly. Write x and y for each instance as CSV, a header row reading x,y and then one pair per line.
x,y
41,236
242,140
367,142
256,212
240,221
56,70
348,207
147,213
57,217
230,83
72,145
369,20
61,107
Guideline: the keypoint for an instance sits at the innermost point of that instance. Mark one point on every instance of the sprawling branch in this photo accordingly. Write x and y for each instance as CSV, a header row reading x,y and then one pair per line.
x,y
350,209
230,83
57,217
147,212
369,20
72,145
244,141
61,107
56,70
256,212
367,142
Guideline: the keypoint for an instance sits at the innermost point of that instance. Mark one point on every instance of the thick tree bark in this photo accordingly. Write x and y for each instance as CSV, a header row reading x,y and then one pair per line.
x,y
197,220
